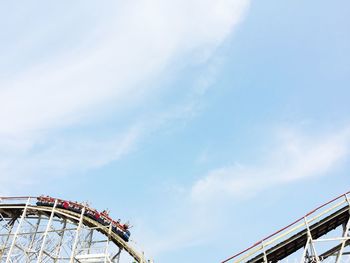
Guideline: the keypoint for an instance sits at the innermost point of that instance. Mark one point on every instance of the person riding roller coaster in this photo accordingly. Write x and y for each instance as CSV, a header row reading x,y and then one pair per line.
x,y
102,218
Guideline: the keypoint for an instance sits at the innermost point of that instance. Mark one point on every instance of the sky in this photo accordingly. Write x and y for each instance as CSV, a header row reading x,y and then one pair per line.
x,y
207,124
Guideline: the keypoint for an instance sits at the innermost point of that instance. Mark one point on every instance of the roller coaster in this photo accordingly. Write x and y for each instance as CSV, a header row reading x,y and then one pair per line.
x,y
320,235
46,229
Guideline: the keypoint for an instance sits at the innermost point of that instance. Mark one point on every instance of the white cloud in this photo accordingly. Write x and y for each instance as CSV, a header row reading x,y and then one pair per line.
x,y
297,157
134,44
110,65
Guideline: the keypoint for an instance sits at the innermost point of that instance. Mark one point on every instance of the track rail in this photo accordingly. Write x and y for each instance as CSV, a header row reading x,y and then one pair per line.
x,y
293,237
11,209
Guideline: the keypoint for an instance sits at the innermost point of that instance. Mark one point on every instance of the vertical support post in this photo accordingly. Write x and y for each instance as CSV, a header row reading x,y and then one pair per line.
x,y
46,232
302,260
77,235
116,257
61,240
3,248
33,238
107,243
311,240
8,258
345,234
90,240
264,251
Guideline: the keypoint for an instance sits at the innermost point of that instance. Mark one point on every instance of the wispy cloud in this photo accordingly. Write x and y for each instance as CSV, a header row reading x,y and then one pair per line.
x,y
62,156
109,67
131,46
296,157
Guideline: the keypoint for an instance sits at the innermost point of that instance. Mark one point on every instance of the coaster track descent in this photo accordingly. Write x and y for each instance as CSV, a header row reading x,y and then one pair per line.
x,y
321,234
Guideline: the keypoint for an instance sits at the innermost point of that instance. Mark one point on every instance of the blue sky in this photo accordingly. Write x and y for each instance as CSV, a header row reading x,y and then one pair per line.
x,y
207,124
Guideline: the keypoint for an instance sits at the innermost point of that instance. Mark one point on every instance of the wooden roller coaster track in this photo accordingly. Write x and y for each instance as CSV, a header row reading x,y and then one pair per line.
x,y
304,232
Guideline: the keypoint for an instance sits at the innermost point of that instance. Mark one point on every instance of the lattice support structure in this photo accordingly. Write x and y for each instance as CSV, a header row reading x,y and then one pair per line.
x,y
323,235
33,233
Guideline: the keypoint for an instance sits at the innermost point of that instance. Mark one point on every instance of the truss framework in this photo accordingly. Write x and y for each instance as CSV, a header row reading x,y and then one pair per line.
x,y
31,233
